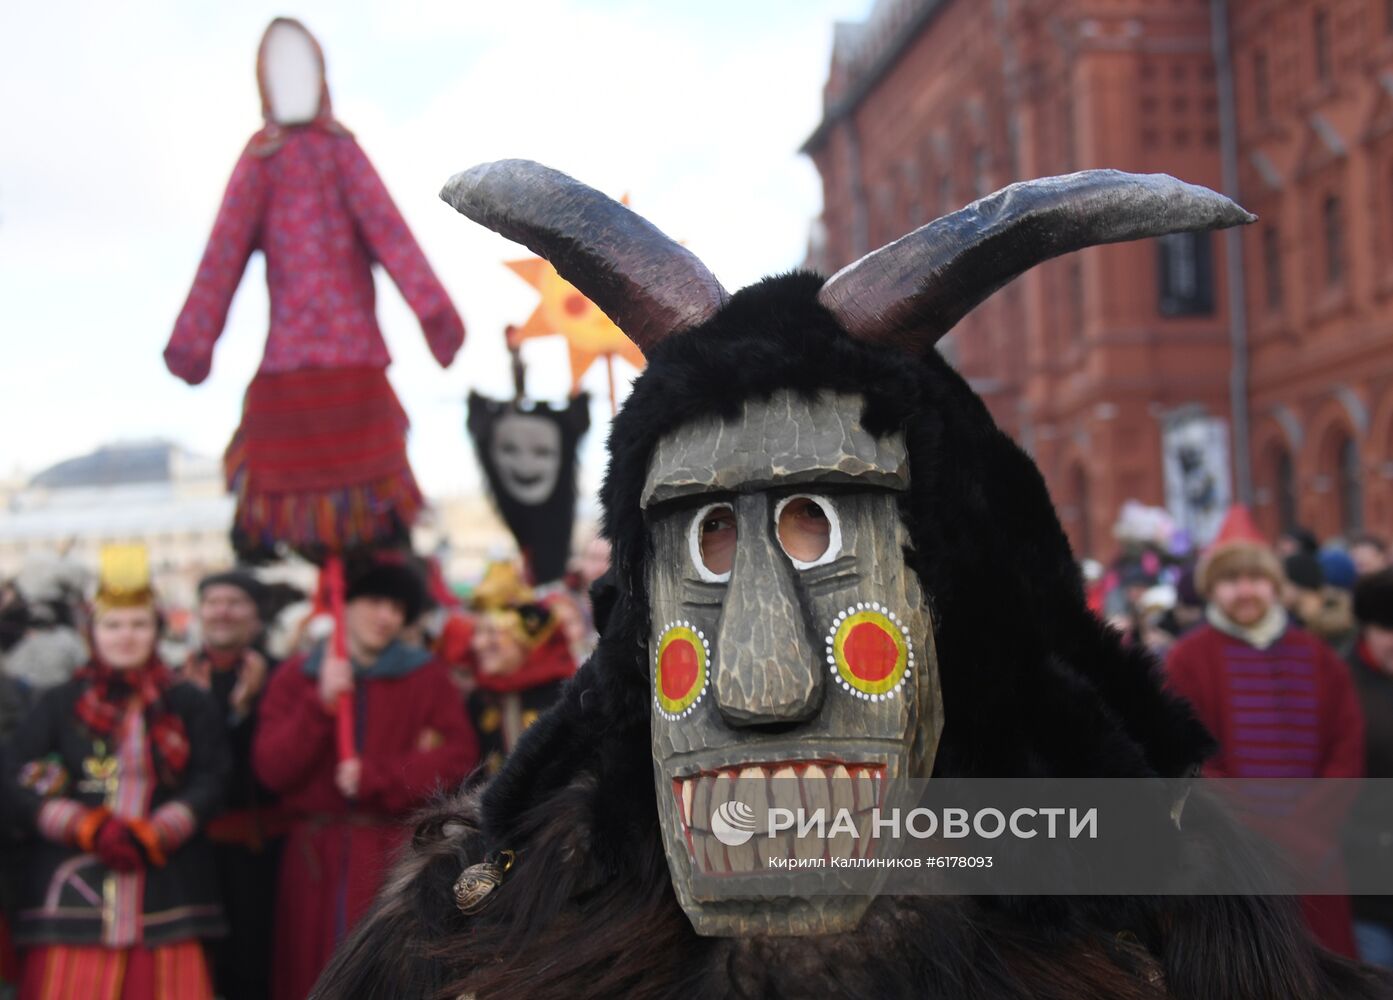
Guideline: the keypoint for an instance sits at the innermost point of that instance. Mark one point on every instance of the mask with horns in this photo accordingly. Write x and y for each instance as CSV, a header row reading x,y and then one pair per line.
x,y
817,528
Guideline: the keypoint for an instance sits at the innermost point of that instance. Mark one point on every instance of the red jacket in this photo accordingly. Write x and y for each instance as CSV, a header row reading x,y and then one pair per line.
x,y
413,736
314,206
1288,711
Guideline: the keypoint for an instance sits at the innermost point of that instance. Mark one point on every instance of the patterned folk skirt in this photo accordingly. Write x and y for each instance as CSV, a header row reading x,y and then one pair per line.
x,y
319,464
91,972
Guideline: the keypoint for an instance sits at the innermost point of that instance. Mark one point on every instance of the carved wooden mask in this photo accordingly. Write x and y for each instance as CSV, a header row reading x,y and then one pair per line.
x,y
791,647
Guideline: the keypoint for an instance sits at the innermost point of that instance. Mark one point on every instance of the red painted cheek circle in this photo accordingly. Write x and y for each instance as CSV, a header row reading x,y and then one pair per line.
x,y
870,651
574,304
677,669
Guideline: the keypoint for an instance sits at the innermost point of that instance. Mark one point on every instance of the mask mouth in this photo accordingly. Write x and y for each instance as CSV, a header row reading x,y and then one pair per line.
x,y
725,813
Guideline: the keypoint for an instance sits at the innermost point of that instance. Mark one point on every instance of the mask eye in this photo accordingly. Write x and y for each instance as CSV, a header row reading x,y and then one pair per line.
x,y
711,540
808,530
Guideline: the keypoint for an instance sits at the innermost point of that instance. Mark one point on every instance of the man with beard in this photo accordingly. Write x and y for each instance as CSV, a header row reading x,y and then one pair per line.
x,y
815,527
245,836
1279,700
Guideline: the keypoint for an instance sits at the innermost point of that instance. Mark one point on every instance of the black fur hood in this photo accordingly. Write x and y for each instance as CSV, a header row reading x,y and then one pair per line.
x,y
1032,684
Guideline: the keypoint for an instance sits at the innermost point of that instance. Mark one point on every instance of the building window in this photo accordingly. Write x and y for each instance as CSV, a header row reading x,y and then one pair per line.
x,y
1272,267
1186,274
1321,33
1286,492
981,171
1333,227
1260,97
1351,489
1083,531
1075,278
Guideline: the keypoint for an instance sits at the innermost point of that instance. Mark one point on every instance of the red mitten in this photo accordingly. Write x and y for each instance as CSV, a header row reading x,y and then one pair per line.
x,y
145,834
87,827
117,849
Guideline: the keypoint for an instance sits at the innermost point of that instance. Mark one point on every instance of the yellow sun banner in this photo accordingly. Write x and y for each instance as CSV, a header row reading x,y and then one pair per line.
x,y
564,311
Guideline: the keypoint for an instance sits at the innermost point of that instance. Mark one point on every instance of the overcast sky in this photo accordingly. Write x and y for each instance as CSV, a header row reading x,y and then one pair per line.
x,y
121,123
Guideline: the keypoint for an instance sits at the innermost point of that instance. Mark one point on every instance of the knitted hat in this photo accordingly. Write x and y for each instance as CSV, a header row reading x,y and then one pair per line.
x,y
1238,549
1338,568
1373,599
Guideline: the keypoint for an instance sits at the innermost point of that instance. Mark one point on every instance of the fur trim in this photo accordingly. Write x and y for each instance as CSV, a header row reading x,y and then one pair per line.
x,y
1229,559
588,908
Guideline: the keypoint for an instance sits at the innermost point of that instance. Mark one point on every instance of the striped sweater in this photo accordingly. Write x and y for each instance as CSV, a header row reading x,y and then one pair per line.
x,y
1287,711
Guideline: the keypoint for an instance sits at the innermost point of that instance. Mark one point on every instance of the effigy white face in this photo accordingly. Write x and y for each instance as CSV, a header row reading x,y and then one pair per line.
x,y
293,75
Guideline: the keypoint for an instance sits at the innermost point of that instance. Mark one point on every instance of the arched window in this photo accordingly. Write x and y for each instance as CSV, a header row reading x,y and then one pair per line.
x,y
1333,227
1272,267
1321,35
1084,532
1351,488
1286,492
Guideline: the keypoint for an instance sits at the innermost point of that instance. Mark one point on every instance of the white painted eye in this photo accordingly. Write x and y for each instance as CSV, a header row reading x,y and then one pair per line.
x,y
711,542
808,529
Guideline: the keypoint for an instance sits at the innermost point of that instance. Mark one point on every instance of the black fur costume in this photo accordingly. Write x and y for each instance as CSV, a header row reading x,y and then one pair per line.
x,y
1032,684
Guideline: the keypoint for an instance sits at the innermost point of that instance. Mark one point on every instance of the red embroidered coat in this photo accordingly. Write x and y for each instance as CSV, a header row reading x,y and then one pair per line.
x,y
318,211
413,738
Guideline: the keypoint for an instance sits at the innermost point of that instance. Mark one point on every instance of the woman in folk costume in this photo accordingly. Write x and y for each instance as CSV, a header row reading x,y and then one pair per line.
x,y
522,656
816,528
319,462
115,772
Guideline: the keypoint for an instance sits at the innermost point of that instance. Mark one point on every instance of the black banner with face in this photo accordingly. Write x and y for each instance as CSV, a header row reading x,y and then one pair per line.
x,y
529,459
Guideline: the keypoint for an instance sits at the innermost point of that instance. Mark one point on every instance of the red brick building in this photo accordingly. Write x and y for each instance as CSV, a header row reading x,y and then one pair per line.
x,y
931,103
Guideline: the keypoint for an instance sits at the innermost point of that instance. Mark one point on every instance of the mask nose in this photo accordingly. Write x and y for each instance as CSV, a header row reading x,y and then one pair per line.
x,y
767,671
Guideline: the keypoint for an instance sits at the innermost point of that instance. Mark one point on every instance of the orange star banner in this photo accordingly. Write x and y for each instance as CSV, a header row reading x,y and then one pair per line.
x,y
590,334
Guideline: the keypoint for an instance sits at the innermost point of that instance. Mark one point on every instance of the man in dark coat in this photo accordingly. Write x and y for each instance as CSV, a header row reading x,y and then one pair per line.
x,y
1371,844
816,528
230,664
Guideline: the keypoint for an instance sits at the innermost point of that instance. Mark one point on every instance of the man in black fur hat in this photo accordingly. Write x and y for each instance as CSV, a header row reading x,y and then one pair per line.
x,y
815,525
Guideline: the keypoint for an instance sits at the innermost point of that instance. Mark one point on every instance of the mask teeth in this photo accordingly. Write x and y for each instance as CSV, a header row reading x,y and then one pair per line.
x,y
809,785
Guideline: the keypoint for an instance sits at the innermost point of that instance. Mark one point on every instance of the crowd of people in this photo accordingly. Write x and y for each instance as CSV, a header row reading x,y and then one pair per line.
x,y
211,826
1285,651
198,826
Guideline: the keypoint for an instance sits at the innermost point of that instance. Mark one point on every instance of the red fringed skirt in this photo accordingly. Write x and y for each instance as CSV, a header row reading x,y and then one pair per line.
x,y
87,972
319,462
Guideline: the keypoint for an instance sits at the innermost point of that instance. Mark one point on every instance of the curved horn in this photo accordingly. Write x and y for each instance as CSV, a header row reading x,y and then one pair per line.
x,y
649,284
911,292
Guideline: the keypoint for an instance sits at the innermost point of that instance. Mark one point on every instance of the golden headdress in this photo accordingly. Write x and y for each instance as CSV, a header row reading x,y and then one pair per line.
x,y
123,581
505,599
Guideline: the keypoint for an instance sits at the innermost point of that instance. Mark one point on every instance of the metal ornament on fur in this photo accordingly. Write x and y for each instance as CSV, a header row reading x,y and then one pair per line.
x,y
911,292
647,283
477,882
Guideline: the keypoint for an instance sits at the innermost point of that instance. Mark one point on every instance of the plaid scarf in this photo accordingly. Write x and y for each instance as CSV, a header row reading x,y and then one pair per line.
x,y
108,691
